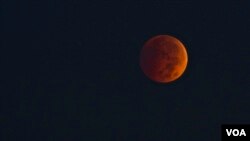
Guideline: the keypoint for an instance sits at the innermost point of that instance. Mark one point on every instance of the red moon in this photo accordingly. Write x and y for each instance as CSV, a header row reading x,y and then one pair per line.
x,y
163,58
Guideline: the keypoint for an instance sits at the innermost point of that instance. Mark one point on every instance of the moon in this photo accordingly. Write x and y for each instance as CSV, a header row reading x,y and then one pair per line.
x,y
163,58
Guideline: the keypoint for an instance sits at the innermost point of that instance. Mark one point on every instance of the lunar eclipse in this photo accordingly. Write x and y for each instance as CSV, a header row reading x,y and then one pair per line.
x,y
163,58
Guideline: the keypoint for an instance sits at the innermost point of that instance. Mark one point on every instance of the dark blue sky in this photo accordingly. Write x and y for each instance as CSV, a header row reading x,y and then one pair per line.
x,y
69,70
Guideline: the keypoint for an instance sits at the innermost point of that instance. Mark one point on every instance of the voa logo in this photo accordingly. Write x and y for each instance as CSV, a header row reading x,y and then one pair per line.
x,y
236,132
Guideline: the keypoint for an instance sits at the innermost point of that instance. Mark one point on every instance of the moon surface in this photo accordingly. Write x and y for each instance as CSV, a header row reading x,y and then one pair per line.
x,y
163,58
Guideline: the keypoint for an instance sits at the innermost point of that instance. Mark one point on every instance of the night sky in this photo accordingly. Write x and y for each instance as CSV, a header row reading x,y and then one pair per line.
x,y
70,70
